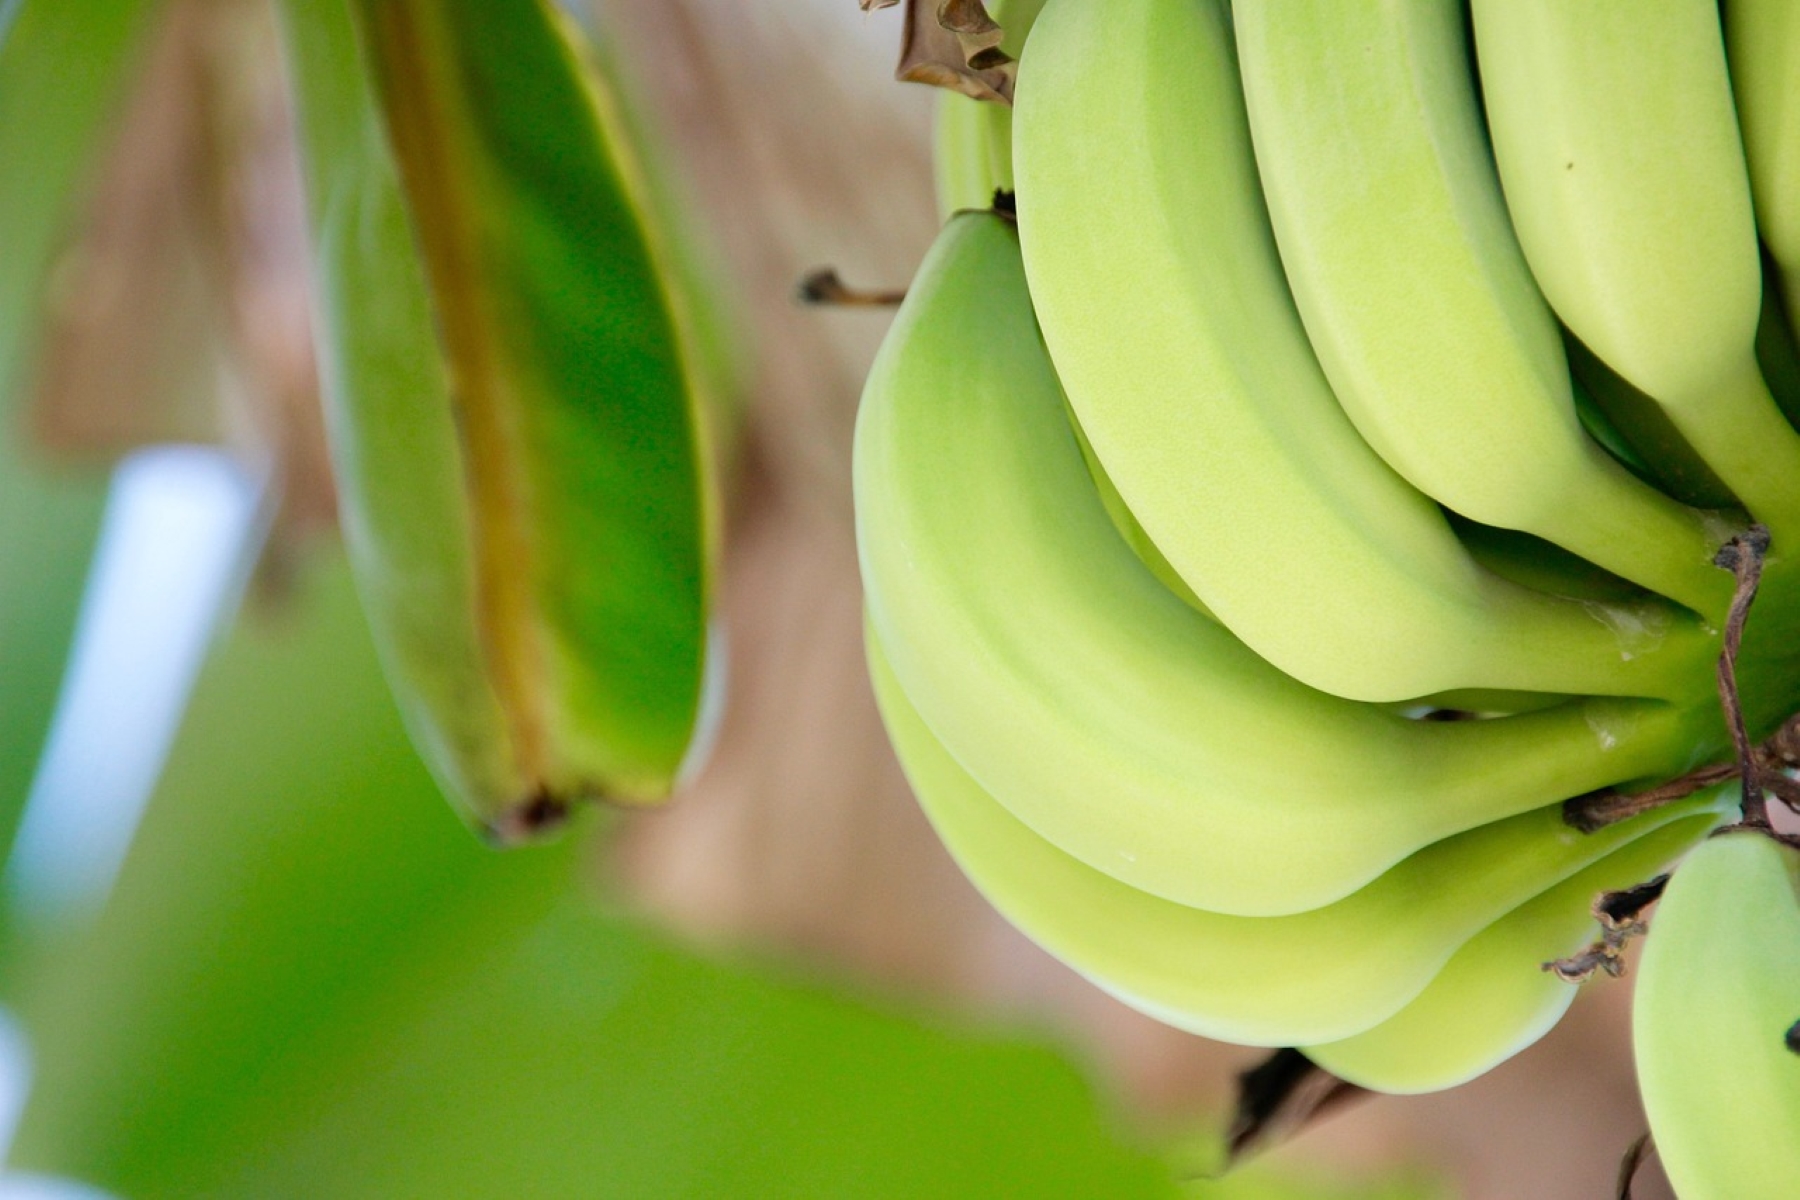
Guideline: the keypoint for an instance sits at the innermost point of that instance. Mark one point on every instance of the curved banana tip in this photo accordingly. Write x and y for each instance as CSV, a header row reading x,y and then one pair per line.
x,y
530,820
1793,1037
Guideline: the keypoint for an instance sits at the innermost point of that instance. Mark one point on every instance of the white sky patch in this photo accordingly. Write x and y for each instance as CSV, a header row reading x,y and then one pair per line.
x,y
174,547
42,1187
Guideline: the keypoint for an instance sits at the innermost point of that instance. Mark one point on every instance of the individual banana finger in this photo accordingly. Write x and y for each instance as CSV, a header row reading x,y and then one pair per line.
x,y
1717,998
1494,997
1310,977
1414,292
1618,147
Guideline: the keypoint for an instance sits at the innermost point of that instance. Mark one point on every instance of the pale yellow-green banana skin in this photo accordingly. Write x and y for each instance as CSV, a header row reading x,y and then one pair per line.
x,y
1121,725
1762,41
1309,977
1388,215
1493,998
973,138
1127,524
968,139
1619,152
1718,989
1163,302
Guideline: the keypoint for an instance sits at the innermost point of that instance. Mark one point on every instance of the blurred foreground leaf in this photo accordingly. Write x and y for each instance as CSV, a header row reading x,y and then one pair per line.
x,y
311,982
512,415
294,875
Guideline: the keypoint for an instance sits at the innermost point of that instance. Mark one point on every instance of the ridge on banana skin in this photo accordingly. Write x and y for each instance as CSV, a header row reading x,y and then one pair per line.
x,y
1414,293
1164,306
1322,975
1121,725
1718,989
1618,150
1493,998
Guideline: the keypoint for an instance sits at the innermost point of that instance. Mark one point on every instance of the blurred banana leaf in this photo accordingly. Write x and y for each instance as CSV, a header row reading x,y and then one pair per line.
x,y
310,982
516,434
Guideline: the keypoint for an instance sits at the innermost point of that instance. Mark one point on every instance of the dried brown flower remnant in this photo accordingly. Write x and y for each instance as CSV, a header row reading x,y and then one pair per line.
x,y
952,44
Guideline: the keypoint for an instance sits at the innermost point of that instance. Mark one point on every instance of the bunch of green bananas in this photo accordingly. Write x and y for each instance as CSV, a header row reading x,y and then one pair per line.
x,y
1348,366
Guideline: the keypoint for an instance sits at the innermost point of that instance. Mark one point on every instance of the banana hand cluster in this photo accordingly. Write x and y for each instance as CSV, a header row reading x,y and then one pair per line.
x,y
1346,368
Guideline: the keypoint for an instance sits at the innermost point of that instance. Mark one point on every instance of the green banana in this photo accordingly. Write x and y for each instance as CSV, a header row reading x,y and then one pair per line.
x,y
1163,302
1118,723
513,426
1718,993
1390,223
1314,976
1493,998
1623,169
1762,41
969,137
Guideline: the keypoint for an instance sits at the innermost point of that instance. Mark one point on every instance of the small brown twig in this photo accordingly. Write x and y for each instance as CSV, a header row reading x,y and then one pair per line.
x,y
1594,811
824,287
1629,1165
1743,557
1280,1095
1758,767
1621,917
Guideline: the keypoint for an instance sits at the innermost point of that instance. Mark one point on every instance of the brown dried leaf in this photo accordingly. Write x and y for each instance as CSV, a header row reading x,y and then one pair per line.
x,y
969,18
179,311
128,349
955,44
872,5
1278,1097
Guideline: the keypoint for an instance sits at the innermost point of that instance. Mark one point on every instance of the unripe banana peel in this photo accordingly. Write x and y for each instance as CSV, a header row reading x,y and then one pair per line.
x,y
1321,499
1714,1018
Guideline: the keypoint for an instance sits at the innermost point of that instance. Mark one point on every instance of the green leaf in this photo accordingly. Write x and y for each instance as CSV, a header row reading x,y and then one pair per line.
x,y
296,882
596,1061
309,982
534,536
